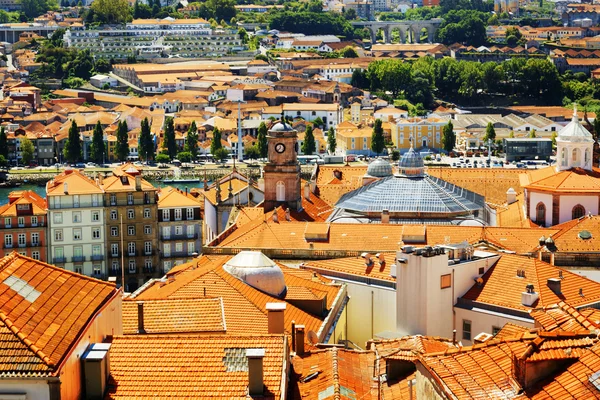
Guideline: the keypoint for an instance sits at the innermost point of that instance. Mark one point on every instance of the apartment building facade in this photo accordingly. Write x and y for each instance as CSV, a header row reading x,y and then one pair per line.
x,y
76,224
179,227
418,132
23,225
131,228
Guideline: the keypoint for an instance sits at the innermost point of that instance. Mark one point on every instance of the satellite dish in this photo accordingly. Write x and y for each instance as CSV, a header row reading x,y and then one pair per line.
x,y
312,337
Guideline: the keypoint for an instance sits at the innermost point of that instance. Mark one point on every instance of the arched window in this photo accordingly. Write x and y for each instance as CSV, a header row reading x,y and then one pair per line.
x,y
575,158
280,191
578,211
586,159
563,157
540,213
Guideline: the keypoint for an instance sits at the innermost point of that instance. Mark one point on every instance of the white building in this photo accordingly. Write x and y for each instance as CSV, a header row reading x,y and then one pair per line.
x,y
570,190
76,224
100,80
331,114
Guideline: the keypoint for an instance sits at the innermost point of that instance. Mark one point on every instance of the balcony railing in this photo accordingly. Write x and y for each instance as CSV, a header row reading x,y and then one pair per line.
x,y
22,245
97,257
59,260
78,258
181,236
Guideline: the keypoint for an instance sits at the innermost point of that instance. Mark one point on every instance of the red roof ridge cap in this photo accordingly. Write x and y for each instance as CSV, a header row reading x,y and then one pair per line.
x,y
23,338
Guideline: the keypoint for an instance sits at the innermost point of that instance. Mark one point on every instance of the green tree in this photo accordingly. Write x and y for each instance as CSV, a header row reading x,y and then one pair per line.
x,y
122,145
169,140
146,145
111,11
35,8
215,144
348,52
221,154
490,132
359,79
192,140
98,144
318,122
309,145
3,143
554,139
377,139
395,155
251,152
72,149
532,134
102,65
184,156
513,31
26,150
3,161
331,141
448,137
163,158
262,143
511,134
243,35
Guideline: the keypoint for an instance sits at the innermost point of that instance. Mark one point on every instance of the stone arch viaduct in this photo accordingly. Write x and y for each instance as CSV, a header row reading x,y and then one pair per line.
x,y
410,31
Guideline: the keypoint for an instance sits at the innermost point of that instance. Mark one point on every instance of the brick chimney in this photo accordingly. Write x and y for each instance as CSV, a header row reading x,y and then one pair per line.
x,y
141,317
299,341
385,216
255,371
307,190
554,285
275,315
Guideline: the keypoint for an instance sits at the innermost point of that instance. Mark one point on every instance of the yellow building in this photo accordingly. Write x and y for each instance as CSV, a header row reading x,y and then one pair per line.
x,y
352,139
426,132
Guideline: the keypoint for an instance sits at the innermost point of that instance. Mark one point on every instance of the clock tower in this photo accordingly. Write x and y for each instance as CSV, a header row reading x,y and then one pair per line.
x,y
282,171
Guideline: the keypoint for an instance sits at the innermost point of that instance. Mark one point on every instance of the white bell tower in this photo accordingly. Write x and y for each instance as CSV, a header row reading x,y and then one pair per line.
x,y
574,146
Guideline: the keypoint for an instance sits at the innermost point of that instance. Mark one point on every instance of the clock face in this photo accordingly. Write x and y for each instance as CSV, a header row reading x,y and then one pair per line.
x,y
280,148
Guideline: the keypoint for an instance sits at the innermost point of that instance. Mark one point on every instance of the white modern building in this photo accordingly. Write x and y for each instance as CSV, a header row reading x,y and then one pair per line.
x,y
331,114
76,224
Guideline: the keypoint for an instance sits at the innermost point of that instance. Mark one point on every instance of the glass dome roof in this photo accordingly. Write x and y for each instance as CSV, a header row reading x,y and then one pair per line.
x,y
379,168
411,164
282,127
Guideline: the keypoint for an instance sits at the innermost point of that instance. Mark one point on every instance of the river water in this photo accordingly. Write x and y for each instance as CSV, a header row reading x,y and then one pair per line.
x,y
41,190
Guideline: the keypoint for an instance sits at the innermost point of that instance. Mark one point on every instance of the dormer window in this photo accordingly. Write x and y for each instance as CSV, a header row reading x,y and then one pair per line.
x,y
124,180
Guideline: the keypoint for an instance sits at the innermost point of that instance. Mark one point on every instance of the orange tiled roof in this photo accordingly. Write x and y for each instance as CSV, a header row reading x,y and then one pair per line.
x,y
37,203
124,183
575,180
343,374
244,306
43,310
408,348
567,238
488,370
510,330
561,317
175,315
355,266
192,366
502,287
171,197
77,183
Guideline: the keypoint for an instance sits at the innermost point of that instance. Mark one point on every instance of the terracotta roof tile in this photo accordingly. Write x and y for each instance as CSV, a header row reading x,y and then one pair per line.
x,y
175,316
510,330
192,366
37,203
171,197
77,183
502,287
354,266
48,320
573,180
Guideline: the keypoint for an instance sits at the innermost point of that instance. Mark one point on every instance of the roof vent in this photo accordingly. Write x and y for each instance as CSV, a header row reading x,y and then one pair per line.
x,y
581,292
367,257
66,187
560,274
408,249
584,235
529,297
542,241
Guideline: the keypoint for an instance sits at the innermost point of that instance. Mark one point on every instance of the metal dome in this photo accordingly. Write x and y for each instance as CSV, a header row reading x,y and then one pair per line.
x,y
379,168
258,271
411,164
282,127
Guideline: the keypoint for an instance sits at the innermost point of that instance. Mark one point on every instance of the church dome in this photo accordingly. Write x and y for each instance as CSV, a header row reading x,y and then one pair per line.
x,y
379,168
258,271
411,164
575,131
282,127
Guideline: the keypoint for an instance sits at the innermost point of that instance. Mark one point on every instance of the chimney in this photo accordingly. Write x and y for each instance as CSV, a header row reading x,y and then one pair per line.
x,y
275,314
381,258
66,187
385,216
275,217
96,369
307,190
554,285
299,339
138,182
141,317
529,296
255,371
511,196
287,215
367,257
551,258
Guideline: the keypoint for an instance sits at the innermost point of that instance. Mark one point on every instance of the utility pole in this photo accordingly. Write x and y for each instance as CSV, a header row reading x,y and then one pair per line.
x,y
240,145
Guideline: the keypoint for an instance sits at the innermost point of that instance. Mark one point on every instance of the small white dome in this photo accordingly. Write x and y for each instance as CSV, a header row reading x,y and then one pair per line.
x,y
258,271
